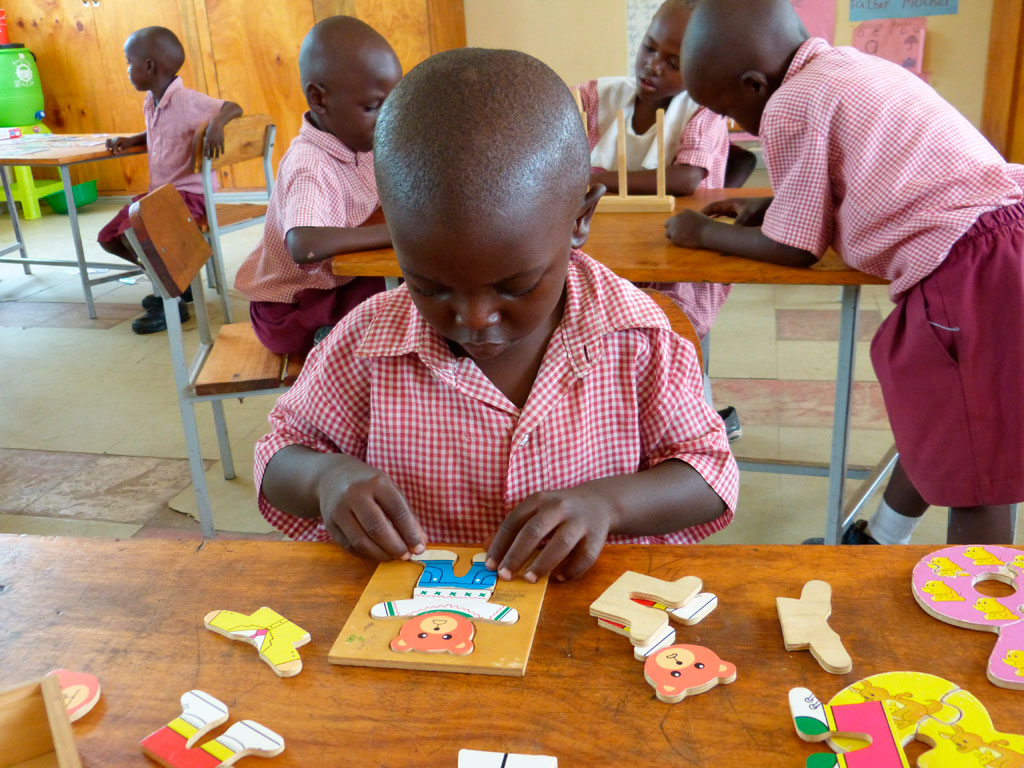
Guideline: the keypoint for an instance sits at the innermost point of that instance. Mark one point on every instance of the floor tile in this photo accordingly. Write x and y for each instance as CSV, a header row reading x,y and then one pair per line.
x,y
49,526
822,324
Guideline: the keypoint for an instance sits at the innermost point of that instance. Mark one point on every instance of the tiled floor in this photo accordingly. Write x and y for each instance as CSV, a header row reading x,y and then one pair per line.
x,y
91,441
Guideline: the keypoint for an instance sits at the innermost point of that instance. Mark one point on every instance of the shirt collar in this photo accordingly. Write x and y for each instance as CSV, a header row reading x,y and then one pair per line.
x,y
597,303
172,88
331,144
808,49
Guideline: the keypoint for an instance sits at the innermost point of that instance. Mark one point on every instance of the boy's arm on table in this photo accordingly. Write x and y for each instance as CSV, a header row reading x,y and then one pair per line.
x,y
119,144
361,508
214,144
577,521
697,229
680,180
308,245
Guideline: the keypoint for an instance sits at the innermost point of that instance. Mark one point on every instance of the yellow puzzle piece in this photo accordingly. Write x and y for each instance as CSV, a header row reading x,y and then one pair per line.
x,y
272,634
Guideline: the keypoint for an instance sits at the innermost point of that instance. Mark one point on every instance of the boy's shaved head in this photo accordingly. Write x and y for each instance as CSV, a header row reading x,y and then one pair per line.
x,y
480,133
333,43
159,44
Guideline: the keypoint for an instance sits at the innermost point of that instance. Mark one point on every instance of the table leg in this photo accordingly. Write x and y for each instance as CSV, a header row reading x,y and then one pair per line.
x,y
13,208
841,413
83,269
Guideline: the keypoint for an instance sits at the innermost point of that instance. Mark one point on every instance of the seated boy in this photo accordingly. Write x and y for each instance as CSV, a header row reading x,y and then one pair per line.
x,y
325,191
513,389
173,114
866,158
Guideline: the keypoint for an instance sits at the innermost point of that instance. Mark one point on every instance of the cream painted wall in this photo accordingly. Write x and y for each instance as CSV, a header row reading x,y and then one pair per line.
x,y
581,39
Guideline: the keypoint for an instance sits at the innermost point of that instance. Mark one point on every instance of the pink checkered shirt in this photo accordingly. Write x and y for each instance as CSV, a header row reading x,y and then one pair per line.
x,y
320,183
704,143
866,157
170,127
617,392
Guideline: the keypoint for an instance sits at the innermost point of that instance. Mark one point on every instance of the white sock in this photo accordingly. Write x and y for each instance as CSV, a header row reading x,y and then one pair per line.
x,y
890,527
707,391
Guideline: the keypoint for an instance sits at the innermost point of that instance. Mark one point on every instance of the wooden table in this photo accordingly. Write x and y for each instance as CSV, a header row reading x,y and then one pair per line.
x,y
62,156
634,246
131,612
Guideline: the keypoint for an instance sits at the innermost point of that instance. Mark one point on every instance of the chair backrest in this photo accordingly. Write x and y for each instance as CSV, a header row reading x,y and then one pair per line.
x,y
677,319
169,237
245,138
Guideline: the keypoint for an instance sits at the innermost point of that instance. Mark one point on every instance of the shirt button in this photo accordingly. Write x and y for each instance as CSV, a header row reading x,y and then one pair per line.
x,y
524,441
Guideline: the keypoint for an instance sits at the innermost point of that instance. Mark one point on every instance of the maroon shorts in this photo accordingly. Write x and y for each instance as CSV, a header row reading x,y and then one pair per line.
x,y
118,225
950,359
288,329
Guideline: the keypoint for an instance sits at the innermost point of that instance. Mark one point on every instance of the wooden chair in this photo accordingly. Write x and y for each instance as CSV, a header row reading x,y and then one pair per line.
x,y
677,319
245,138
173,251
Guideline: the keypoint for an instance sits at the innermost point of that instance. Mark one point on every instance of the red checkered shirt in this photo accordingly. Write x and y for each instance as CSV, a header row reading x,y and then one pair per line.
x,y
616,393
704,143
866,157
170,128
320,183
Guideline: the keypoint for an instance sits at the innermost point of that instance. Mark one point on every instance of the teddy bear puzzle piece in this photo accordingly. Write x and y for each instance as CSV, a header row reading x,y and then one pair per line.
x,y
805,627
618,603
679,671
80,690
944,585
275,637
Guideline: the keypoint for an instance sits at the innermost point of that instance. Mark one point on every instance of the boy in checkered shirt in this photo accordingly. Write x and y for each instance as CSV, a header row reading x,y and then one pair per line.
x,y
513,390
173,114
325,193
865,157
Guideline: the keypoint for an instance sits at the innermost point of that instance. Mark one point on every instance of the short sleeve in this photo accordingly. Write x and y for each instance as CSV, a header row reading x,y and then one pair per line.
x,y
802,213
704,143
588,98
303,198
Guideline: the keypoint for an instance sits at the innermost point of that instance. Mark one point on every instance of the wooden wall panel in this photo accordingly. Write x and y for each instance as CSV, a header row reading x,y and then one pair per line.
x,y
1003,82
403,23
447,19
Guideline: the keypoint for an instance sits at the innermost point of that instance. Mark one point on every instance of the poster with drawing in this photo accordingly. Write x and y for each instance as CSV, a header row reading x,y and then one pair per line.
x,y
868,10
900,41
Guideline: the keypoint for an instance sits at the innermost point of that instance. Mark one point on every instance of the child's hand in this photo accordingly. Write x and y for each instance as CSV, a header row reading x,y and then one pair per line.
x,y
685,228
214,142
119,144
368,516
747,211
574,522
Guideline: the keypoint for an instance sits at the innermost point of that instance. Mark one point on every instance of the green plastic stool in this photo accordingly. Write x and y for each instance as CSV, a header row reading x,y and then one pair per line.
x,y
25,189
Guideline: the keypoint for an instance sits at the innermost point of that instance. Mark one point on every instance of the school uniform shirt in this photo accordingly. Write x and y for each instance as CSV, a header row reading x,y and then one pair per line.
x,y
617,392
693,135
866,157
320,183
170,129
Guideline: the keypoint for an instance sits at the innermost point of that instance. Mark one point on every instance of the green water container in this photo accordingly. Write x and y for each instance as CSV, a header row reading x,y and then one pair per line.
x,y
21,94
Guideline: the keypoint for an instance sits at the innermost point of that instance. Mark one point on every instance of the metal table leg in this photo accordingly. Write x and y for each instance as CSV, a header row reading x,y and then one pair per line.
x,y
83,268
12,207
841,417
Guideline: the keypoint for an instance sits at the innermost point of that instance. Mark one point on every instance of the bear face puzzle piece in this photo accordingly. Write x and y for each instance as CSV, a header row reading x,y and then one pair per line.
x,y
876,744
678,671
944,585
436,632
805,627
172,745
274,636
80,690
617,603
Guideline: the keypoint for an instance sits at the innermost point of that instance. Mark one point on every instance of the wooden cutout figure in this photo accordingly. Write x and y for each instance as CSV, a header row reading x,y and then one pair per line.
x,y
616,604
171,746
805,626
269,632
472,758
441,612
34,726
80,690
943,584
866,722
689,614
623,202
679,671
969,742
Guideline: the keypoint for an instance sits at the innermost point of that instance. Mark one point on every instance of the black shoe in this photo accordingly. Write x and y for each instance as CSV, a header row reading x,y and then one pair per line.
x,y
855,533
322,333
733,430
154,322
152,303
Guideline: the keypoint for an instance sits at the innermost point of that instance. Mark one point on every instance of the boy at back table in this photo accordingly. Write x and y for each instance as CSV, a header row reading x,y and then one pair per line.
x,y
865,157
512,390
325,191
173,114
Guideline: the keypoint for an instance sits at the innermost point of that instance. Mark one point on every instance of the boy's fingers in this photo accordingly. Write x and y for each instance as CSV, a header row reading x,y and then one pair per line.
x,y
558,548
539,527
403,519
507,532
581,559
376,532
345,530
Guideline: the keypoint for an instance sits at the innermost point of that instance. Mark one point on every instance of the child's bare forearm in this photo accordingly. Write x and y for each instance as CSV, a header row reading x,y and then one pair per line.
x,y
751,243
308,245
680,180
228,112
663,499
293,477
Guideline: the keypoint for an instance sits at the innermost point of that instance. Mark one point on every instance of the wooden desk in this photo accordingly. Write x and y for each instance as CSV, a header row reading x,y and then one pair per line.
x,y
634,246
131,612
62,156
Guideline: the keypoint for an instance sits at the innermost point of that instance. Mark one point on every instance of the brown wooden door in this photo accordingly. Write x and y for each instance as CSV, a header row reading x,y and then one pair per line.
x,y
1002,119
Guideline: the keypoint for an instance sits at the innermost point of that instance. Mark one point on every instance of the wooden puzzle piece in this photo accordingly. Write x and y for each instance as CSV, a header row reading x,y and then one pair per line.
x,y
439,580
200,714
274,636
436,633
679,671
465,606
691,613
80,690
805,626
472,758
876,742
969,742
34,726
944,585
616,603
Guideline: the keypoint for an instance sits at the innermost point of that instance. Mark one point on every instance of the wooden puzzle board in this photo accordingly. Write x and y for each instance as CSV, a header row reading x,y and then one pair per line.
x,y
499,649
